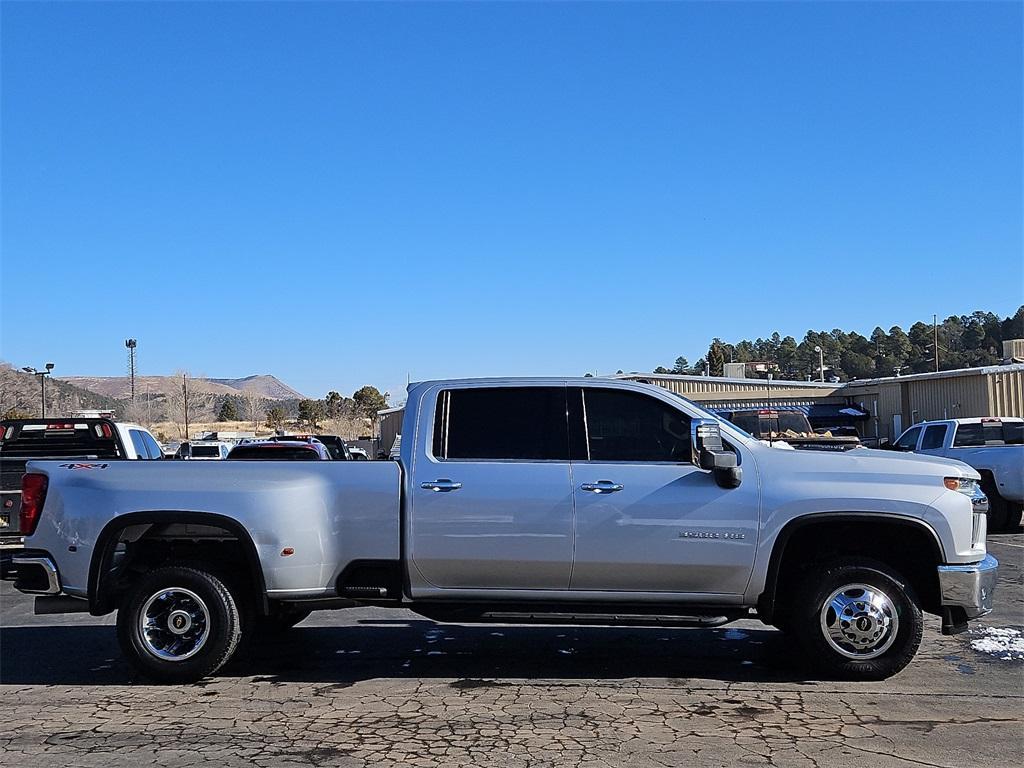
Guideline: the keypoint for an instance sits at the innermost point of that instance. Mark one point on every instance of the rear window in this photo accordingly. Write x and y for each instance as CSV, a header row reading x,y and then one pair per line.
x,y
524,423
988,433
748,422
59,439
274,453
205,451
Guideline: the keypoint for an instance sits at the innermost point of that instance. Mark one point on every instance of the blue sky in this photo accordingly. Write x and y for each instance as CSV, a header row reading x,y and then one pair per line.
x,y
342,194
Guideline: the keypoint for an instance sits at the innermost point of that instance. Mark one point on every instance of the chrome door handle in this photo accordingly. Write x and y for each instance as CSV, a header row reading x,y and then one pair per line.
x,y
602,486
444,484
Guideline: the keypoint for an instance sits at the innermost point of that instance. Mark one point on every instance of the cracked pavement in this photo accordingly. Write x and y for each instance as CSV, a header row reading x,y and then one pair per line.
x,y
374,687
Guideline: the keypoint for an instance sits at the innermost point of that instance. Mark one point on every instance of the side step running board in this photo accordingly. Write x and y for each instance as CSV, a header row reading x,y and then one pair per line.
x,y
595,619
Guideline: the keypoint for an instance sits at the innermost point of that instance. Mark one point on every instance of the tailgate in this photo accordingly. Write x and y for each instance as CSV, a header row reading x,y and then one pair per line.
x,y
11,471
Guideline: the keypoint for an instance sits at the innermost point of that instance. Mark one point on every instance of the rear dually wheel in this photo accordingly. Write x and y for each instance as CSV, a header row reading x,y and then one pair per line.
x,y
178,624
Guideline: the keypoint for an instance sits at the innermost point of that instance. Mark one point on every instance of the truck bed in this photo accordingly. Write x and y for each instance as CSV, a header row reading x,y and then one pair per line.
x,y
328,514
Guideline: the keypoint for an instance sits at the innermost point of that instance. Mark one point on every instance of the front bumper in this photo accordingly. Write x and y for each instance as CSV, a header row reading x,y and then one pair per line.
x,y
969,587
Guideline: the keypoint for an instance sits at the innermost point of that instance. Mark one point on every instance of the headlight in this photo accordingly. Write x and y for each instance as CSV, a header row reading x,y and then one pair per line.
x,y
964,485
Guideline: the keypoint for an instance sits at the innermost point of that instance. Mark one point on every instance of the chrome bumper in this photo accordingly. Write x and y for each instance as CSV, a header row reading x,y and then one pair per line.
x,y
35,587
969,586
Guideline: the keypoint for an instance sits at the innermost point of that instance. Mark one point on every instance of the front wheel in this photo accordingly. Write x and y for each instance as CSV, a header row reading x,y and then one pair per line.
x,y
178,624
857,619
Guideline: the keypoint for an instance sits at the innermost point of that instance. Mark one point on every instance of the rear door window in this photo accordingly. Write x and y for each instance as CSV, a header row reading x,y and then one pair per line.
x,y
138,444
934,436
152,446
501,423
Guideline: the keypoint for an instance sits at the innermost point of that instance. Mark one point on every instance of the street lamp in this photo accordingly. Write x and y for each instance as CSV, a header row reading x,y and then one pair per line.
x,y
821,362
42,381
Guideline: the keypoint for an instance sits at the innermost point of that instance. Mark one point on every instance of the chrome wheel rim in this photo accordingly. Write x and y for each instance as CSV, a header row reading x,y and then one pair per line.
x,y
174,624
859,621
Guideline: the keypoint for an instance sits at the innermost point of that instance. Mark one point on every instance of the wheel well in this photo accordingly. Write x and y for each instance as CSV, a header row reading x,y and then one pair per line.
x,y
908,547
135,544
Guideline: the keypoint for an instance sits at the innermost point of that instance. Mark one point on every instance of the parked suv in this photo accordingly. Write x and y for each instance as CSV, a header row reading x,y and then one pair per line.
x,y
281,449
204,450
337,447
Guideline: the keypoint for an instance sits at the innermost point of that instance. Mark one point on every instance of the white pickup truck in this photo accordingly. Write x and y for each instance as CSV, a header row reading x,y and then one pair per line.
x,y
994,446
571,501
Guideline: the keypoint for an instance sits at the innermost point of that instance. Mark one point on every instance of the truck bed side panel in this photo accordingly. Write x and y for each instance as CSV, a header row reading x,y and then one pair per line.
x,y
329,513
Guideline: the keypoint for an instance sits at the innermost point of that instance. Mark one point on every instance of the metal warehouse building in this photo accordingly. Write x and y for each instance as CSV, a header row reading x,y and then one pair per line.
x,y
898,402
879,408
889,404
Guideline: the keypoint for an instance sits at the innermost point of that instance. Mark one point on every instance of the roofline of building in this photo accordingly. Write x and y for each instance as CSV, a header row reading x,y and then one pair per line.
x,y
635,376
727,380
981,371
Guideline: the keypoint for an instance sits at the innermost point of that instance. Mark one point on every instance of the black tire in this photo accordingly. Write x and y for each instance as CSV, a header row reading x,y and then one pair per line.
x,y
998,508
209,640
809,615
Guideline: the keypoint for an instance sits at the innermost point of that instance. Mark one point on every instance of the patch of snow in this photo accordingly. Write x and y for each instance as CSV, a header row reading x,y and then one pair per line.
x,y
1003,642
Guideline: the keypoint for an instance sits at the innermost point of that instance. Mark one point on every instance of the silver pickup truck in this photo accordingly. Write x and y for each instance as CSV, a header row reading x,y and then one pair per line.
x,y
575,501
994,446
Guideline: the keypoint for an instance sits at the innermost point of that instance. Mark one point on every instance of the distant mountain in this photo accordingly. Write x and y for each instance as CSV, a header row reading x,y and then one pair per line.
x,y
269,386
119,387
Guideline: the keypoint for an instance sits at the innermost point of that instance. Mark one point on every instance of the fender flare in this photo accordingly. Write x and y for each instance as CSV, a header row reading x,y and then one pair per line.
x,y
107,540
766,600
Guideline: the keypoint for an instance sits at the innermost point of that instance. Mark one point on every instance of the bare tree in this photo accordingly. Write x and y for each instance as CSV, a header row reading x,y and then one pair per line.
x,y
253,404
188,402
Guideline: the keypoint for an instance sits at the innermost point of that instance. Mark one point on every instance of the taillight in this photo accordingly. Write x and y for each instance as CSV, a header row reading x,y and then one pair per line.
x,y
33,494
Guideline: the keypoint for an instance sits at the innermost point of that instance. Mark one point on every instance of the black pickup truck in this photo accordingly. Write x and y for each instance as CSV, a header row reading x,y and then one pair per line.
x,y
791,427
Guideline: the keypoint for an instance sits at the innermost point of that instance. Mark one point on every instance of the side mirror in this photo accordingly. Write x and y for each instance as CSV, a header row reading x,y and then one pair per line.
x,y
710,453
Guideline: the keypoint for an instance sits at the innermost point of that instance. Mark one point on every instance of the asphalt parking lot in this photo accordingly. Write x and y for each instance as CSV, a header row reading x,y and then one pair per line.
x,y
360,687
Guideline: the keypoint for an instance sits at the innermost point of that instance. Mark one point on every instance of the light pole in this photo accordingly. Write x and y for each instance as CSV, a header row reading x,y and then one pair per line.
x,y
821,362
130,345
42,382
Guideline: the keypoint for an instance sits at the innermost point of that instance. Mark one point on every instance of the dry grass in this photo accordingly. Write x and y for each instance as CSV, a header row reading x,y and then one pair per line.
x,y
349,429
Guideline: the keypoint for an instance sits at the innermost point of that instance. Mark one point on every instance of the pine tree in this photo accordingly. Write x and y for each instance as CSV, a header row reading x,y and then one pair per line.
x,y
227,412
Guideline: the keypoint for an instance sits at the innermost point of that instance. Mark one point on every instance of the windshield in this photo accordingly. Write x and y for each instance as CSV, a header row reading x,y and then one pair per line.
x,y
791,421
205,451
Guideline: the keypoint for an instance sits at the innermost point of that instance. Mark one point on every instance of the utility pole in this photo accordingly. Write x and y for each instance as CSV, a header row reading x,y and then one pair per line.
x,y
821,362
131,344
184,400
935,340
42,383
